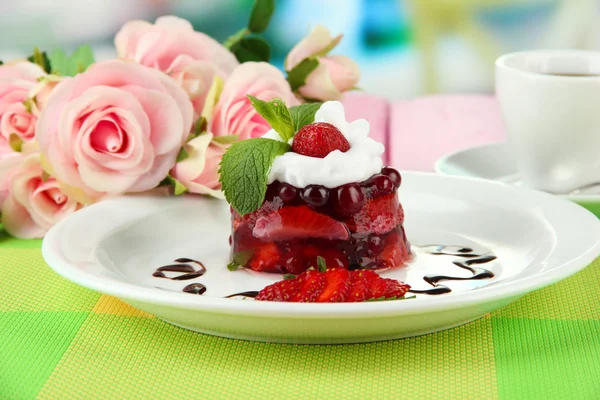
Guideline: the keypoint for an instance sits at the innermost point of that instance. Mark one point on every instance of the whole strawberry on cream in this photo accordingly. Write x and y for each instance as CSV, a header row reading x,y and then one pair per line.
x,y
312,187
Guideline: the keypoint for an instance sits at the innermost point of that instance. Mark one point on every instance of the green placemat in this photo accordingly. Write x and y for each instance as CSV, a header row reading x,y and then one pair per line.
x,y
58,340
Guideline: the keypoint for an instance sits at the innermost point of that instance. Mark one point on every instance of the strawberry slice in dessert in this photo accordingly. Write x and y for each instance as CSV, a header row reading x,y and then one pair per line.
x,y
315,188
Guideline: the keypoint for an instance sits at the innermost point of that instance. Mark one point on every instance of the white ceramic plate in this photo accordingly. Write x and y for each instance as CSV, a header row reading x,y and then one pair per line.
x,y
115,246
495,162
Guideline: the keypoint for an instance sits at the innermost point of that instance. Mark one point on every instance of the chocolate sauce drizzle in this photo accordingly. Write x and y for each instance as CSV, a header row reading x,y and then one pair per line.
x,y
187,270
469,257
194,288
251,293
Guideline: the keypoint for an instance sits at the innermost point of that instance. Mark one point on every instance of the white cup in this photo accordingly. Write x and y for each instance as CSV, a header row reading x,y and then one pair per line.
x,y
550,102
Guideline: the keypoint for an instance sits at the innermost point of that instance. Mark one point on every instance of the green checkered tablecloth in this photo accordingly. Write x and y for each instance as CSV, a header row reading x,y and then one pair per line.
x,y
58,340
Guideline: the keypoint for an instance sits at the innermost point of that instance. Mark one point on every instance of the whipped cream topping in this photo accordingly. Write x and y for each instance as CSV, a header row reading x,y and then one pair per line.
x,y
358,164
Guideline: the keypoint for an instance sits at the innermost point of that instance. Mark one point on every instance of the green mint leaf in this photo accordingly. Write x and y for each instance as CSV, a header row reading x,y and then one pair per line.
x,y
233,266
183,154
276,113
261,14
287,277
304,114
242,257
1,62
321,264
245,169
227,139
78,62
252,49
297,76
40,58
15,142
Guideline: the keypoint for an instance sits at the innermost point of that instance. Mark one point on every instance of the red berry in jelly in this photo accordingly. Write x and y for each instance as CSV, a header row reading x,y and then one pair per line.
x,y
393,174
314,195
349,199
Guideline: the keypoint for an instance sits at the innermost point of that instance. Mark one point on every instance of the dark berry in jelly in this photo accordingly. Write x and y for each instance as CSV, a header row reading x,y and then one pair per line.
x,y
349,199
383,184
393,175
316,196
287,192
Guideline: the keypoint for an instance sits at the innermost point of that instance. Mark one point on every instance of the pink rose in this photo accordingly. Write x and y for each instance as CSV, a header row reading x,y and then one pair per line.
x,y
334,75
200,171
16,81
195,77
159,45
234,113
33,205
115,128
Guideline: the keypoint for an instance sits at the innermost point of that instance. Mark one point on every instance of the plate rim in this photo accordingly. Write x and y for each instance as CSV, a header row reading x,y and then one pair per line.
x,y
439,164
136,293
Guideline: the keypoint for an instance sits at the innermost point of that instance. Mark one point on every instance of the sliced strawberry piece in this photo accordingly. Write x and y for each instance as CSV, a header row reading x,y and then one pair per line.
x,y
334,285
379,215
298,222
385,287
265,258
361,285
280,291
312,285
337,286
319,139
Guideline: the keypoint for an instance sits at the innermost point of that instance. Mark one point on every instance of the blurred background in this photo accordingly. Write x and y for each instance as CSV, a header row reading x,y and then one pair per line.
x,y
405,47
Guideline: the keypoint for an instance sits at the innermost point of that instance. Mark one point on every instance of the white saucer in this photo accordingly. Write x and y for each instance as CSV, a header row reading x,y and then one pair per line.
x,y
495,162
115,246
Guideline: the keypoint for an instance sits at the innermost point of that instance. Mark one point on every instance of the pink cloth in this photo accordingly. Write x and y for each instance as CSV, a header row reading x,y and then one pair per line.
x,y
376,110
424,129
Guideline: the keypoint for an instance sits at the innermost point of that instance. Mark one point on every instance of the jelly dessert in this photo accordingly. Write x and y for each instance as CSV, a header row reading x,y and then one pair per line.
x,y
327,195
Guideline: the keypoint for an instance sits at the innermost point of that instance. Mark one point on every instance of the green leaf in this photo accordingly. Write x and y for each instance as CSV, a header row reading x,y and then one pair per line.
x,y
45,176
304,114
297,76
28,105
40,58
245,169
227,139
179,187
242,257
235,38
321,264
199,128
15,142
78,62
252,49
183,154
261,14
276,113
233,266
1,62
287,277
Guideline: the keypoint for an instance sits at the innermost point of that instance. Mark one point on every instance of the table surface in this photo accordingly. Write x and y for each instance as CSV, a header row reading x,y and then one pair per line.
x,y
59,340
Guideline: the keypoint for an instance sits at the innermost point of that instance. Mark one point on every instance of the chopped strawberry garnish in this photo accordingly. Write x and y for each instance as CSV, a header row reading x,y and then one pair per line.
x,y
319,139
298,222
333,286
265,258
280,291
311,287
379,215
394,252
337,286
